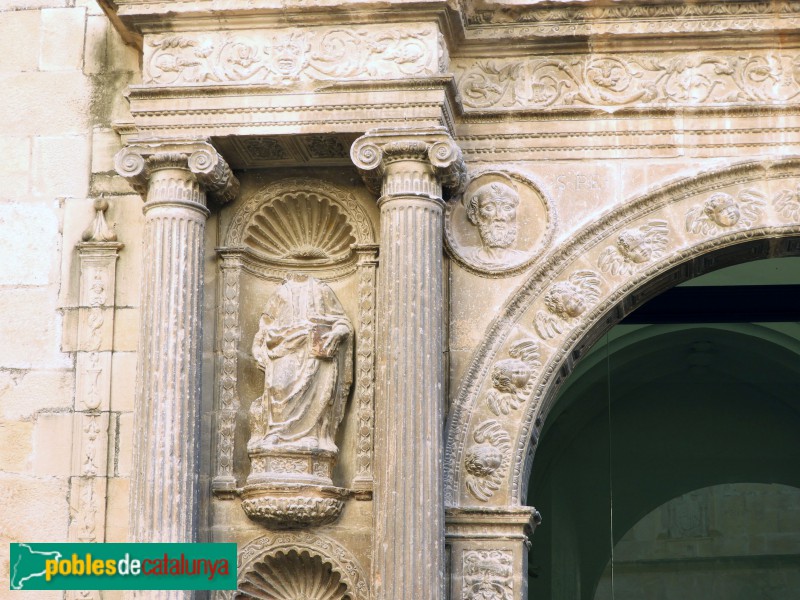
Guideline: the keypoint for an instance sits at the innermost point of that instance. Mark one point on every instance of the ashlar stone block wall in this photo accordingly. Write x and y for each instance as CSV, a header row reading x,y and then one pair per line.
x,y
62,72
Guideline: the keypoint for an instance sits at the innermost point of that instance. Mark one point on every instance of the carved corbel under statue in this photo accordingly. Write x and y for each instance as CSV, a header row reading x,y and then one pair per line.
x,y
304,346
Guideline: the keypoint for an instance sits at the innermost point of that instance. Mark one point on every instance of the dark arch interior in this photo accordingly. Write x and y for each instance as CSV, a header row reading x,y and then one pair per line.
x,y
653,413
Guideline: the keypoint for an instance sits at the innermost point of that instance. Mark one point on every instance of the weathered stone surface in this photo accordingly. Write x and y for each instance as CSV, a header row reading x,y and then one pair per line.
x,y
32,92
19,47
62,39
16,446
31,238
60,166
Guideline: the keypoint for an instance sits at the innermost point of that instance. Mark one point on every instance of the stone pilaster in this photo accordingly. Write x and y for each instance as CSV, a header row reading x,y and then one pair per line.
x,y
410,168
175,178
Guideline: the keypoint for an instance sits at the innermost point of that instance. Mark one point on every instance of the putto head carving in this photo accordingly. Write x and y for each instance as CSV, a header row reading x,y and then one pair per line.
x,y
498,220
487,460
724,211
511,377
567,300
635,247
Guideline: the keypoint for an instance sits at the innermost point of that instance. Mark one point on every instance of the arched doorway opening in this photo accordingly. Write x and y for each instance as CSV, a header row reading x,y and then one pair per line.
x,y
670,461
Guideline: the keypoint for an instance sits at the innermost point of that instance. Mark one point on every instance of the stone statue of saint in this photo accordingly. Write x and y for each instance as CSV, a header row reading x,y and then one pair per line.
x,y
493,209
304,345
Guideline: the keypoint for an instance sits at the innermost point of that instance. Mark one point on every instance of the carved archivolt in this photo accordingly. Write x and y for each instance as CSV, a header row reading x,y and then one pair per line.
x,y
299,565
577,288
500,224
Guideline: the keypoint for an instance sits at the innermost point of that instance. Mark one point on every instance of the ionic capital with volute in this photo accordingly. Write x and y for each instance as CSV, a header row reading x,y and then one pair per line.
x,y
200,161
409,162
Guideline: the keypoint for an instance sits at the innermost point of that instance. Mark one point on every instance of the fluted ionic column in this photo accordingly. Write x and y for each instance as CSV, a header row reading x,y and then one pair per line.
x,y
409,168
174,180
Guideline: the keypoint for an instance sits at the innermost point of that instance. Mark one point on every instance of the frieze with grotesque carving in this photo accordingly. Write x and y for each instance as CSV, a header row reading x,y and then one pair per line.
x,y
488,575
512,378
566,301
724,211
487,460
285,58
647,80
501,223
635,247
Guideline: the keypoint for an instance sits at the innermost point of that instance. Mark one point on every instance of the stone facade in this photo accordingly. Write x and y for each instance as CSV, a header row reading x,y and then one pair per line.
x,y
476,191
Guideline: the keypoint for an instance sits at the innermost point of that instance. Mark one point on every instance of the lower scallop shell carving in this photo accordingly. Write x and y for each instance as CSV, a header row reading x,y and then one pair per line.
x,y
292,575
300,227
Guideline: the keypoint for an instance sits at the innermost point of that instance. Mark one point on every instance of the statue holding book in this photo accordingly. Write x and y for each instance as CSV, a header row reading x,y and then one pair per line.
x,y
304,346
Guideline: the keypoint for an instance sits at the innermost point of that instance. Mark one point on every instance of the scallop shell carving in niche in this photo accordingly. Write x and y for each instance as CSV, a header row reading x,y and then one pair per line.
x,y
300,228
292,576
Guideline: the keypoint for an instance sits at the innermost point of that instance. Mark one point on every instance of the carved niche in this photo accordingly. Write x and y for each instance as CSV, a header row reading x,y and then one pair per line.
x,y
500,225
286,344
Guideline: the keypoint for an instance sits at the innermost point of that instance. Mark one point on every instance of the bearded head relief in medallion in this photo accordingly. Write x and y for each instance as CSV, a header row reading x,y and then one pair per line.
x,y
500,223
492,208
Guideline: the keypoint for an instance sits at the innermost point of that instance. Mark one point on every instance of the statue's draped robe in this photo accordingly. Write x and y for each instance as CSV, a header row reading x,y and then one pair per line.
x,y
304,390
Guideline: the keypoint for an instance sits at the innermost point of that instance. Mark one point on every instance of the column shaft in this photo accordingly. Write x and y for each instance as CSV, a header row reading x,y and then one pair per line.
x,y
410,507
164,500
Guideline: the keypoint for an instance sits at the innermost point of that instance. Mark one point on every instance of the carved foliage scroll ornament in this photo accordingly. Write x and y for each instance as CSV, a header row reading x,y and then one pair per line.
x,y
294,565
487,460
636,80
304,346
501,223
566,301
488,575
635,247
284,58
723,211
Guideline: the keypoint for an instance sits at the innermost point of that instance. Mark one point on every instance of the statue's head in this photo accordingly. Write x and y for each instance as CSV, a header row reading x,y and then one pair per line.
x,y
493,208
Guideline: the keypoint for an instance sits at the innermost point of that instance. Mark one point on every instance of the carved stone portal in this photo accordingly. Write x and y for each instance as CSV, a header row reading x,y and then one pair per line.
x,y
304,346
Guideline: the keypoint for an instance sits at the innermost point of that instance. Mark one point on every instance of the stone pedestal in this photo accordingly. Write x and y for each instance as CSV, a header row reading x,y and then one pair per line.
x,y
164,501
488,551
410,168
